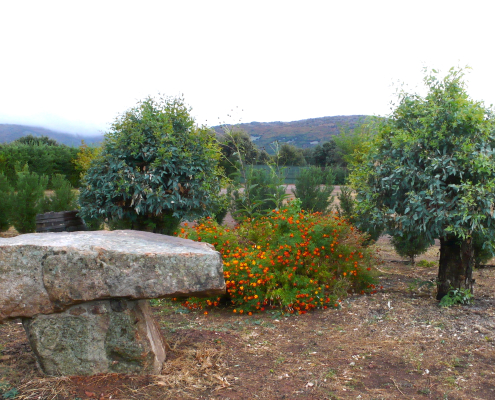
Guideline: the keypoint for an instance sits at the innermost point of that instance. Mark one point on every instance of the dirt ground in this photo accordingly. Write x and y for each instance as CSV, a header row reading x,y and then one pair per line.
x,y
396,344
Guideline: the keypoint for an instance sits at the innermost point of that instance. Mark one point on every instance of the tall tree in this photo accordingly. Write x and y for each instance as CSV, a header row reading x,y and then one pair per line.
x,y
433,172
238,148
327,154
289,154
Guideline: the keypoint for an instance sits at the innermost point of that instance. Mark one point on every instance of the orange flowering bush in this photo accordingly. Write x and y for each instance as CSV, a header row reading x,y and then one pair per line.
x,y
288,259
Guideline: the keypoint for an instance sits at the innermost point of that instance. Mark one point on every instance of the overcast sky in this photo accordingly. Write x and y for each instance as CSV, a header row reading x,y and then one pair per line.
x,y
75,65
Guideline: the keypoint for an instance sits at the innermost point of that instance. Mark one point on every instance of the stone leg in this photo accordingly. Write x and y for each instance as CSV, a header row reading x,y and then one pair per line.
x,y
104,336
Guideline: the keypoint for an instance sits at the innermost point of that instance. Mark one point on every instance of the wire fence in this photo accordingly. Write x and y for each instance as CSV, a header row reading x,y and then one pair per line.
x,y
290,173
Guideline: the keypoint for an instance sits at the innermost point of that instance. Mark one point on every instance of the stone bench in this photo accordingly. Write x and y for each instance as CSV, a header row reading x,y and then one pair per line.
x,y
81,295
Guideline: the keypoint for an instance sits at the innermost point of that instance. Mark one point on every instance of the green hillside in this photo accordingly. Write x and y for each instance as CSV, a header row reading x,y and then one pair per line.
x,y
303,133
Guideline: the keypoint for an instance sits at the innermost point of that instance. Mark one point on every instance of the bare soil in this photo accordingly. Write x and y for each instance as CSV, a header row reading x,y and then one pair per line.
x,y
396,344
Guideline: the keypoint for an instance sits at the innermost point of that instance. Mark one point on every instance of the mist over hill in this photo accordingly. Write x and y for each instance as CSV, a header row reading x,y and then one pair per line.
x,y
303,133
11,132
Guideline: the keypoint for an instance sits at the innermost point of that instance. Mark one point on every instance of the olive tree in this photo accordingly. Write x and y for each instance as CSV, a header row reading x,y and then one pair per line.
x,y
432,172
155,168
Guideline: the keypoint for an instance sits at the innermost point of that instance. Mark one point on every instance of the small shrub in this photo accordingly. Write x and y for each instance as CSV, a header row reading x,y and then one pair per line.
x,y
289,259
27,200
483,250
64,197
340,174
220,208
5,203
263,191
456,296
410,248
427,264
314,197
346,208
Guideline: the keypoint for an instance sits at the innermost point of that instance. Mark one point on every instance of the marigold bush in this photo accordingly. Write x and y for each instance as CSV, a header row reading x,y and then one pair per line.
x,y
289,259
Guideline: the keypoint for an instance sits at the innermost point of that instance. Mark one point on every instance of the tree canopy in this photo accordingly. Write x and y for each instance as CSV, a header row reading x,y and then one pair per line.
x,y
432,173
43,155
289,154
155,166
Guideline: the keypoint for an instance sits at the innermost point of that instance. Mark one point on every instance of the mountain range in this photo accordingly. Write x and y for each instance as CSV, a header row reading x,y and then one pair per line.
x,y
11,132
303,133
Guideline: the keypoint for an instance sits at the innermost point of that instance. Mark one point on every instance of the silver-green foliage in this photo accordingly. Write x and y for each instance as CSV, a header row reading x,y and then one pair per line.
x,y
432,172
362,220
156,167
432,169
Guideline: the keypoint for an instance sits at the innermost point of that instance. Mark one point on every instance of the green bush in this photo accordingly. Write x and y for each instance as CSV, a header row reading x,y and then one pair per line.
x,y
64,196
427,264
42,158
263,191
289,259
5,203
27,199
340,174
483,249
220,208
347,210
456,296
314,196
410,247
155,168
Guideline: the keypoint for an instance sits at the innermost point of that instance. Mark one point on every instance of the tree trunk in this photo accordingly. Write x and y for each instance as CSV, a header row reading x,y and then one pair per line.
x,y
455,268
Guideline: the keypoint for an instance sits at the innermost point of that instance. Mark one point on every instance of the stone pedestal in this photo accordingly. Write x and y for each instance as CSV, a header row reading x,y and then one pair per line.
x,y
103,336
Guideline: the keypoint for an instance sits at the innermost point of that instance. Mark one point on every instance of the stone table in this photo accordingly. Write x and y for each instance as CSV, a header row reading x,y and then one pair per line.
x,y
81,295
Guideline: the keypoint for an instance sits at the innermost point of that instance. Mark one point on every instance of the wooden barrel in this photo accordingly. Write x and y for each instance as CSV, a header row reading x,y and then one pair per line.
x,y
64,221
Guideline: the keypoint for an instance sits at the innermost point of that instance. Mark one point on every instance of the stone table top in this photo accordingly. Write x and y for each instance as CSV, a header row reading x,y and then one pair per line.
x,y
43,273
